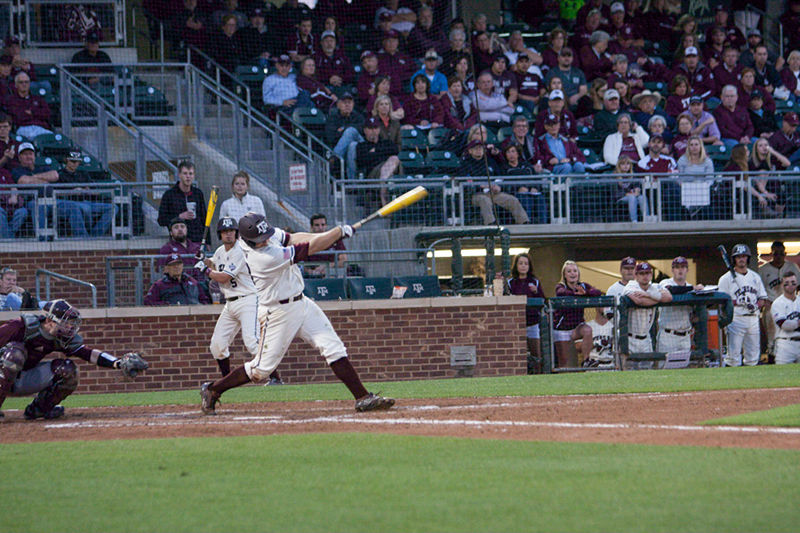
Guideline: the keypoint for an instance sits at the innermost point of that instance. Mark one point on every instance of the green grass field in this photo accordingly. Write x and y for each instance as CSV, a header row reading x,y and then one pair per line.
x,y
373,482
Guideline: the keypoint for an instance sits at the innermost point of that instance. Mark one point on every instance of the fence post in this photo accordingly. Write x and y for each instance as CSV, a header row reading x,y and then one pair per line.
x,y
141,171
237,134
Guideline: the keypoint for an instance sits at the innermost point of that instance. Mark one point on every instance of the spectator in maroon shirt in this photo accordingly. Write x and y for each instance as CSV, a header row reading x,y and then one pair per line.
x,y
657,22
594,59
529,86
369,75
568,324
393,63
302,43
456,107
482,52
556,105
789,75
729,71
679,93
722,20
681,140
30,113
699,75
189,25
307,81
383,87
556,40
748,84
586,10
785,141
656,161
333,67
733,119
505,82
421,108
583,34
715,48
425,36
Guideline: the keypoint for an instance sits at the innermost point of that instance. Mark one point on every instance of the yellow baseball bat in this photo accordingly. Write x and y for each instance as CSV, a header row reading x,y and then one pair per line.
x,y
411,197
212,206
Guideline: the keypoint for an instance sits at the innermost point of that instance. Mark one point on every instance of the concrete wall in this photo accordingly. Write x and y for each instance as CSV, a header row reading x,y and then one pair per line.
x,y
386,340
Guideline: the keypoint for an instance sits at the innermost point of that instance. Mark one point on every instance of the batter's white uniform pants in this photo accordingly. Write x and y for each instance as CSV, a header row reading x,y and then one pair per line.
x,y
744,344
787,351
240,314
283,323
674,341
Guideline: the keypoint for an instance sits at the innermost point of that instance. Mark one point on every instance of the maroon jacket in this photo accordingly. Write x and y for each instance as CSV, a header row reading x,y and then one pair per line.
x,y
789,79
569,319
676,105
30,111
569,126
723,76
573,152
744,97
783,144
734,124
337,65
366,81
701,80
399,66
295,43
320,94
594,66
451,114
532,288
419,110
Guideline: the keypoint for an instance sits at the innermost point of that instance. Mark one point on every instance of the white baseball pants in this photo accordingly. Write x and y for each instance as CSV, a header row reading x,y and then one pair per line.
x,y
787,351
670,342
744,344
240,314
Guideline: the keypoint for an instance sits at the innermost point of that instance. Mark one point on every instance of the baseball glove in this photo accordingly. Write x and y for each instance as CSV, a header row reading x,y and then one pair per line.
x,y
131,363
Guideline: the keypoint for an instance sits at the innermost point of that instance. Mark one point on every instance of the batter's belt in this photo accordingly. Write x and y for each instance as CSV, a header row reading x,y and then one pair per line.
x,y
289,300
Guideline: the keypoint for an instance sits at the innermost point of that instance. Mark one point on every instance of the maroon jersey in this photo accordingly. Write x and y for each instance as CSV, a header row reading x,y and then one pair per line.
x,y
27,330
723,76
569,319
531,288
529,84
504,82
335,65
399,66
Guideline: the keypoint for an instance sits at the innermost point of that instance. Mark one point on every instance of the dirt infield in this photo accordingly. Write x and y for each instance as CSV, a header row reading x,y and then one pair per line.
x,y
653,418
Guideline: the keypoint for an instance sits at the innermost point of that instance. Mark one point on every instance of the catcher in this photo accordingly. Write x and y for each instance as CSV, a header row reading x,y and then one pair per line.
x,y
25,341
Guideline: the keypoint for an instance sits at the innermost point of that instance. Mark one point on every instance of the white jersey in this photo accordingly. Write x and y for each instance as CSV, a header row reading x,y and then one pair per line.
x,y
616,289
274,272
232,263
602,341
785,309
674,317
772,277
640,319
745,291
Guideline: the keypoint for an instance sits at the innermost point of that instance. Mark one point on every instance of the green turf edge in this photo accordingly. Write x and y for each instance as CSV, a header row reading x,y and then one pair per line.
x,y
786,416
377,482
699,379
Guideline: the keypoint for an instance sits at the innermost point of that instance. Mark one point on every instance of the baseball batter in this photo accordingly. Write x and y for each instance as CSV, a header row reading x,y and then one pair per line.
x,y
283,312
645,294
228,268
786,312
772,276
675,321
748,294
602,355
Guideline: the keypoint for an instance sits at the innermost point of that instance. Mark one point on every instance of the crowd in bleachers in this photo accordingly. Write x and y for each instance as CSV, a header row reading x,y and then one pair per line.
x,y
616,77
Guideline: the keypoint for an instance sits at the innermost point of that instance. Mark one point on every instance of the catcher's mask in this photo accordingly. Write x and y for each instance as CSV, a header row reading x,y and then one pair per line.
x,y
66,317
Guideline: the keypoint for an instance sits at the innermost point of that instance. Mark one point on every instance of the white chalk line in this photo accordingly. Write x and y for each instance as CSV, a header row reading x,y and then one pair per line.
x,y
352,419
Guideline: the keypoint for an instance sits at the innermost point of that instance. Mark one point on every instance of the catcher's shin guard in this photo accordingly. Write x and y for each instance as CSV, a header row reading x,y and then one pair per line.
x,y
65,381
12,359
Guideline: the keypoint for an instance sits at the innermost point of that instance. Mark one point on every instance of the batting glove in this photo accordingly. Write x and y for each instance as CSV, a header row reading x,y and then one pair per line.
x,y
347,231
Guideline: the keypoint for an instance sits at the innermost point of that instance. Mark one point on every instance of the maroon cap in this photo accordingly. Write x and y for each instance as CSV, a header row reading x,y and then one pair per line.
x,y
680,261
391,34
372,122
628,262
367,53
173,258
791,118
643,267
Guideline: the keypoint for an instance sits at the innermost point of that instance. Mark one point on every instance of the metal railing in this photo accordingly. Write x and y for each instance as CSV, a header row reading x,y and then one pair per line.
x,y
222,76
48,274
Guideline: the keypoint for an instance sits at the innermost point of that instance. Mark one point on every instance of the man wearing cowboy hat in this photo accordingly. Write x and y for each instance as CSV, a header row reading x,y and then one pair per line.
x,y
646,105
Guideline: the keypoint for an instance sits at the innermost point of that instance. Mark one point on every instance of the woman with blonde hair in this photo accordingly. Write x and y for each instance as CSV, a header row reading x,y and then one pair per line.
x,y
390,125
791,74
771,199
569,324
242,202
627,191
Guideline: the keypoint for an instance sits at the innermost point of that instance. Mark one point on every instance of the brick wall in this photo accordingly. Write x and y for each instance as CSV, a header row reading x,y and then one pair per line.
x,y
386,340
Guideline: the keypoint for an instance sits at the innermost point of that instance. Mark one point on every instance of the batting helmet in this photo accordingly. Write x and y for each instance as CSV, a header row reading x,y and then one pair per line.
x,y
254,228
740,249
227,224
67,317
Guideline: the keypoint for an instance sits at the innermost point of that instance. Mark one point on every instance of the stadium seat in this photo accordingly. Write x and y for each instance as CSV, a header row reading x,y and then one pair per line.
x,y
369,288
413,139
325,289
47,161
419,286
503,133
443,161
94,169
519,110
55,145
412,160
436,135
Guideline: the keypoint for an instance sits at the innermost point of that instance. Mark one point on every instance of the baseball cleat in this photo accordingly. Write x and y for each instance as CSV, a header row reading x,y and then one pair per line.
x,y
208,399
33,411
373,402
274,381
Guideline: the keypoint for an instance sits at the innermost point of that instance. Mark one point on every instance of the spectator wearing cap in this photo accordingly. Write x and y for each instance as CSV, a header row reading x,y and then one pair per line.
x,y
343,131
700,76
748,85
516,47
572,78
644,294
489,102
754,39
582,34
723,21
766,74
231,9
733,119
587,8
403,18
729,71
223,46
595,61
704,125
333,66
425,36
302,43
791,74
763,119
393,63
421,108
645,106
617,24
605,120
280,88
91,53
530,86
97,215
559,154
176,287
369,75
475,163
457,109
189,26
429,69
376,158
256,42
307,82
185,201
179,243
556,105
786,141
30,113
457,49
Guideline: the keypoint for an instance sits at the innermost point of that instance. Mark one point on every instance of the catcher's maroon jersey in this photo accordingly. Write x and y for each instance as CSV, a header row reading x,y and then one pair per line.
x,y
36,344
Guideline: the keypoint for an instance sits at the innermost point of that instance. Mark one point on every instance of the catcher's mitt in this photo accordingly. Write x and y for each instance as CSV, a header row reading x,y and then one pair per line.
x,y
131,363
